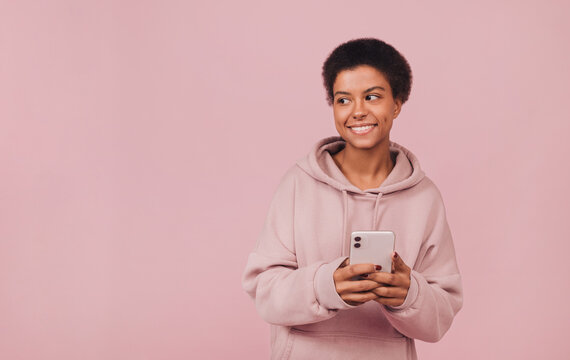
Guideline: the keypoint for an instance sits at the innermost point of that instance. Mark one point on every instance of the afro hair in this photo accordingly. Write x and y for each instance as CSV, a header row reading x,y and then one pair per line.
x,y
373,52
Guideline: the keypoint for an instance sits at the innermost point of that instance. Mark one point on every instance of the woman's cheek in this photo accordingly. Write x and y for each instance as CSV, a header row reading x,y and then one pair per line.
x,y
341,115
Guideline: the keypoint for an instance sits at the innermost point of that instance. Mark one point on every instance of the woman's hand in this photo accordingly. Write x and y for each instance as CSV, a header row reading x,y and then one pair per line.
x,y
393,287
355,292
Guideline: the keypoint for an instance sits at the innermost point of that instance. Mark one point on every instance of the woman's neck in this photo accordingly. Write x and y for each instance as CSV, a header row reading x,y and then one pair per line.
x,y
365,168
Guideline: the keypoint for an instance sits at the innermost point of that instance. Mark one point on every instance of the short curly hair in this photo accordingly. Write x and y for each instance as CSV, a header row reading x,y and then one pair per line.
x,y
373,52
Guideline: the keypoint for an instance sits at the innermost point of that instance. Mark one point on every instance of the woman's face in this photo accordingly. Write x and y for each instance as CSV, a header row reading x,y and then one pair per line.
x,y
364,107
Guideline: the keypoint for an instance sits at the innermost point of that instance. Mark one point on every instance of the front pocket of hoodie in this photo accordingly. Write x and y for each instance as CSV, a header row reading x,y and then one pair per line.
x,y
303,345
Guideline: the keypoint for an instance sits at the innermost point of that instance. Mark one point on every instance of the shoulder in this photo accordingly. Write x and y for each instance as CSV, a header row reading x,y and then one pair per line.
x,y
429,188
430,196
292,176
296,176
290,181
424,194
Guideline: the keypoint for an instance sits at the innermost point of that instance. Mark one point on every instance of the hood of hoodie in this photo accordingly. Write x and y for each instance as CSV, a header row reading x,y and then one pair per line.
x,y
320,165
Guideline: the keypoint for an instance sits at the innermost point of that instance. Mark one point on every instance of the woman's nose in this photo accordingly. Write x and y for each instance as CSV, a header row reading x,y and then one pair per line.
x,y
359,111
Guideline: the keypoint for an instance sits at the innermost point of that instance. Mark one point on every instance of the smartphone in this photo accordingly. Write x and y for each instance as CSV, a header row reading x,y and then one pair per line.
x,y
372,247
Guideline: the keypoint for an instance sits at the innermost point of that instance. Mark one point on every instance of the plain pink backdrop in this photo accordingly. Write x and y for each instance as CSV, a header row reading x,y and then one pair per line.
x,y
141,142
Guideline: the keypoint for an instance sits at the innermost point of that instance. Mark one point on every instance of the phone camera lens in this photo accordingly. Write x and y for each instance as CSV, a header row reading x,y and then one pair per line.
x,y
357,245
357,238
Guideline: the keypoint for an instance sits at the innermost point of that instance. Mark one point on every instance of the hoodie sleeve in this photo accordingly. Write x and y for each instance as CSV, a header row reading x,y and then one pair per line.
x,y
435,293
285,294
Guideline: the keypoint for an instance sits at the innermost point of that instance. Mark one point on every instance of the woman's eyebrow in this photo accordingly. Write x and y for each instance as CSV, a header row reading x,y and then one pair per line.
x,y
373,88
341,92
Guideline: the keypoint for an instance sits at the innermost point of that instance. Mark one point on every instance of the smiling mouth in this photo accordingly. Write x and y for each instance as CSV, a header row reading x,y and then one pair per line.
x,y
363,129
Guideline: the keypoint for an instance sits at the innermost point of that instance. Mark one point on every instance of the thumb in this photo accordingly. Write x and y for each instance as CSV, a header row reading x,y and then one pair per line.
x,y
398,265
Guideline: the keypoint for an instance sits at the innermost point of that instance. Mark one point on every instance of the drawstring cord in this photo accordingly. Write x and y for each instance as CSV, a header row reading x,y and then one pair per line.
x,y
345,219
375,219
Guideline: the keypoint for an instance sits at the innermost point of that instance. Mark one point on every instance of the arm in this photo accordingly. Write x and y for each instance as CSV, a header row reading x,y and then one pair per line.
x,y
435,291
284,293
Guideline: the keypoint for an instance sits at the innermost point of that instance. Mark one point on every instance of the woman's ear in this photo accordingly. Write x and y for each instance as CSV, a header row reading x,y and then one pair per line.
x,y
397,107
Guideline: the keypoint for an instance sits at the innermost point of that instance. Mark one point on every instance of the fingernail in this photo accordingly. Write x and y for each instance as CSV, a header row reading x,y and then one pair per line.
x,y
378,267
395,255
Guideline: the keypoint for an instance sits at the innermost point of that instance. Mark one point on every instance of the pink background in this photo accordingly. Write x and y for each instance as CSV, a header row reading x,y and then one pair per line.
x,y
141,142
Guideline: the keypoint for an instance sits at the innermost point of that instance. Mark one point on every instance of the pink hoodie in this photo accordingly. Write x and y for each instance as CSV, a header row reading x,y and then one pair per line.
x,y
306,237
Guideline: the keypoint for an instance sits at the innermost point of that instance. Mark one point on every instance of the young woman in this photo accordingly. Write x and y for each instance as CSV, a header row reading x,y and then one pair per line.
x,y
299,274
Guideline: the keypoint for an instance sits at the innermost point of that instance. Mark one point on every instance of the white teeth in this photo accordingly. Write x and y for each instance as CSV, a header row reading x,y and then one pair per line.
x,y
363,128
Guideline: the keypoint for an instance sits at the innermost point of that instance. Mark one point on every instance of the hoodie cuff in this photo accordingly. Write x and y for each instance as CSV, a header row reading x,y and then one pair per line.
x,y
325,289
410,297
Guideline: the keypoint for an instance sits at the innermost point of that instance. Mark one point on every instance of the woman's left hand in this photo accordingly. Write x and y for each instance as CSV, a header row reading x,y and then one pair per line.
x,y
394,286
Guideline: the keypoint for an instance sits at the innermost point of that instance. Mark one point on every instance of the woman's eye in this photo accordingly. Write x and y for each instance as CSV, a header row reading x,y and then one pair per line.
x,y
372,97
342,101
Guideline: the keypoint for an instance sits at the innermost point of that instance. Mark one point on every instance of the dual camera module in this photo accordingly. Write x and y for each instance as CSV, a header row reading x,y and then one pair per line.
x,y
357,245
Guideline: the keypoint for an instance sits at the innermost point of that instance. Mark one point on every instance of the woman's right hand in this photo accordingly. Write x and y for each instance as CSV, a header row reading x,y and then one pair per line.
x,y
355,292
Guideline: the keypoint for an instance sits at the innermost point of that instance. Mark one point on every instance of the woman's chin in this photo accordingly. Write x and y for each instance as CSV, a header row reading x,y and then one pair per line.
x,y
364,144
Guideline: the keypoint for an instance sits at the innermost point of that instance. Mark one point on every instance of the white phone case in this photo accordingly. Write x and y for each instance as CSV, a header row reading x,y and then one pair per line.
x,y
372,247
